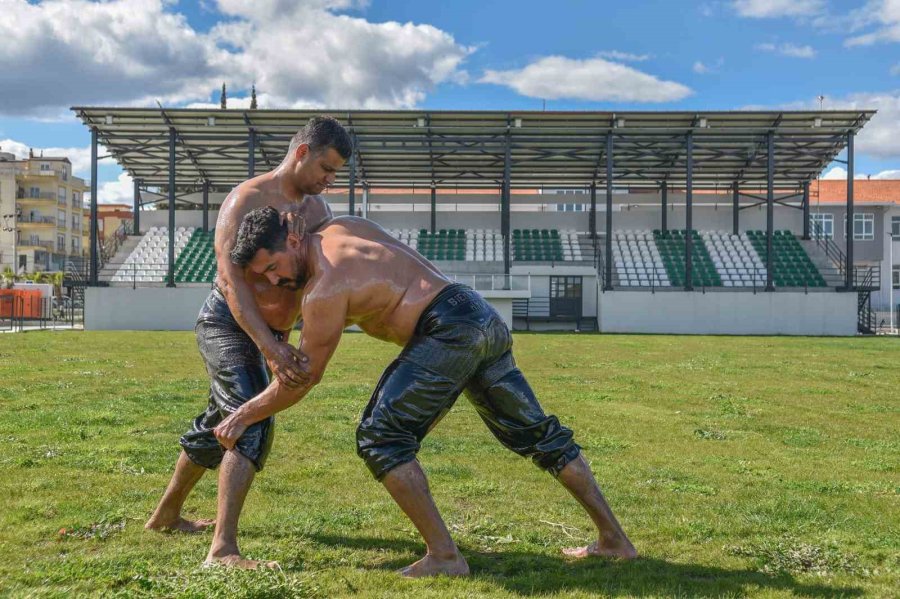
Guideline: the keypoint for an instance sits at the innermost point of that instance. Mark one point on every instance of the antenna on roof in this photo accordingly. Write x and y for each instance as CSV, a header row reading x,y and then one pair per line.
x,y
821,101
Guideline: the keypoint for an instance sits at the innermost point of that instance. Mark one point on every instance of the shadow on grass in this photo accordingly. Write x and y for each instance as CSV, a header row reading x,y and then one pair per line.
x,y
527,573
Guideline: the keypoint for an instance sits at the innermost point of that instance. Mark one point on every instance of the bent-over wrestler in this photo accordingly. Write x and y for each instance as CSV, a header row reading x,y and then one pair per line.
x,y
352,272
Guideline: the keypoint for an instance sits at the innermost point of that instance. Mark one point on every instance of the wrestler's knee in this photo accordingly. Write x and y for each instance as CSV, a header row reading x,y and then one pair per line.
x,y
204,450
383,448
256,442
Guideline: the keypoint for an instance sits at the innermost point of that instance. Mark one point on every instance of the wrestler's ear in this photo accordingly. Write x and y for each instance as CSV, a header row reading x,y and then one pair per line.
x,y
293,241
301,152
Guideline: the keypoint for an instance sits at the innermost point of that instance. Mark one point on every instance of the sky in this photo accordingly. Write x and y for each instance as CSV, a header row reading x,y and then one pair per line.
x,y
466,54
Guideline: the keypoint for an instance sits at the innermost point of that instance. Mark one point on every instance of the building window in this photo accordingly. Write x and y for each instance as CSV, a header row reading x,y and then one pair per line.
x,y
565,287
822,225
895,226
76,201
45,166
571,207
61,243
61,195
863,226
76,223
61,218
34,192
76,245
564,192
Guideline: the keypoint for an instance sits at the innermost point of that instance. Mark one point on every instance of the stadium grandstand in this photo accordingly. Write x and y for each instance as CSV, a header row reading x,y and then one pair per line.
x,y
706,222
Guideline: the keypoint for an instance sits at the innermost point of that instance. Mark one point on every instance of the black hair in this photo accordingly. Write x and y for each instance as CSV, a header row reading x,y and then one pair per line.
x,y
321,133
261,229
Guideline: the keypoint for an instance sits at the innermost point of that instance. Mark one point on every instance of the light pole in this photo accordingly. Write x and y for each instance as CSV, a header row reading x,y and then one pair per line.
x,y
891,275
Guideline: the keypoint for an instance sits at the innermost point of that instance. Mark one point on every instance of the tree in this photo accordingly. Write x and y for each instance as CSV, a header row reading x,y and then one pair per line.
x,y
253,97
223,99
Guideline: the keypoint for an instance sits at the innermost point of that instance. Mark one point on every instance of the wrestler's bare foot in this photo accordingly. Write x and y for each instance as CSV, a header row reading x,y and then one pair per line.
x,y
618,549
431,565
179,524
240,562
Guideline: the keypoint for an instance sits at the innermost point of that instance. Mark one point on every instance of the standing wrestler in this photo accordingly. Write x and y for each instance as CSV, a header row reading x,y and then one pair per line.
x,y
352,272
244,325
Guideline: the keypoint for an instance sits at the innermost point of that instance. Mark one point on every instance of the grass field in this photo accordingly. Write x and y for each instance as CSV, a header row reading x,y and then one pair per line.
x,y
765,467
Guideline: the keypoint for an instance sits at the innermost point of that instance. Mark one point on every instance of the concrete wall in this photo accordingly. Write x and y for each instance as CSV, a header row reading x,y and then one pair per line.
x,y
723,313
142,309
176,309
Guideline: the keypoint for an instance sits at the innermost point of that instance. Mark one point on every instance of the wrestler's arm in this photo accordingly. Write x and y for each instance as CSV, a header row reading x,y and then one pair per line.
x,y
324,322
285,361
315,213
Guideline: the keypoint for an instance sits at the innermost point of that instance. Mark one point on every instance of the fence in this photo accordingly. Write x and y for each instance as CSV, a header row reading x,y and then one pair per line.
x,y
18,313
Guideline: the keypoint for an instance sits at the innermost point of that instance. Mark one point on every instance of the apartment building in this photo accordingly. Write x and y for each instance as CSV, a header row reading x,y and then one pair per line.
x,y
41,213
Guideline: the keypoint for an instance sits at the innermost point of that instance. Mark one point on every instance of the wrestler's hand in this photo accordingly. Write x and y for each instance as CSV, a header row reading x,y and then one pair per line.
x,y
288,363
295,221
229,431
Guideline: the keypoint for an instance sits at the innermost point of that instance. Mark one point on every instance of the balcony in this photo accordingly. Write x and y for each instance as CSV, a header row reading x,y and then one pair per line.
x,y
37,220
45,174
36,244
35,197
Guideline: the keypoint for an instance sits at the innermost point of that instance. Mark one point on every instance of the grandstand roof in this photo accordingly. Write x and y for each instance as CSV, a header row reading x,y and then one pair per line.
x,y
405,148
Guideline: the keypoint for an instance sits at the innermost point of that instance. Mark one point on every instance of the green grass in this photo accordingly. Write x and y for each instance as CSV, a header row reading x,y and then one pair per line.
x,y
766,467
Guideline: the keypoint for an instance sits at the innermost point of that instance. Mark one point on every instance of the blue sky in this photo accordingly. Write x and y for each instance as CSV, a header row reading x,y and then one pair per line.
x,y
584,55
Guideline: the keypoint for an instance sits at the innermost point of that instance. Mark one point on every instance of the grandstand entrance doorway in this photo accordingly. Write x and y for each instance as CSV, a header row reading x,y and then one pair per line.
x,y
565,297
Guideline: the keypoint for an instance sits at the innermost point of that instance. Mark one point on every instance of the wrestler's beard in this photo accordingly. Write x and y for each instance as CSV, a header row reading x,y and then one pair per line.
x,y
296,283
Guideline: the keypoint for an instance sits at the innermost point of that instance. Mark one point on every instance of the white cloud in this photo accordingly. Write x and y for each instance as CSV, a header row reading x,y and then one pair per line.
x,y
880,137
79,157
58,53
595,79
624,56
788,49
760,9
115,192
300,53
895,70
701,68
109,192
352,63
839,173
883,15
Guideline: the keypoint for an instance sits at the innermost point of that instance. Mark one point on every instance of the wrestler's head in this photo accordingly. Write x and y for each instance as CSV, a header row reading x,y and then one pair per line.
x,y
265,246
317,152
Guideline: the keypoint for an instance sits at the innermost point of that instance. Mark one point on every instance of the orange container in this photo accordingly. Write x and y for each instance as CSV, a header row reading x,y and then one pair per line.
x,y
24,303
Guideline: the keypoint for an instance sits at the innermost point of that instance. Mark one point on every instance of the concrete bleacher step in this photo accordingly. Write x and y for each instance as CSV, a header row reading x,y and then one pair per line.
x,y
125,249
827,268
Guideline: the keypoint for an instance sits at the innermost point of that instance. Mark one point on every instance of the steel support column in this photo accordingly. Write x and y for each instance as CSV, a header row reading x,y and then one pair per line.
x,y
664,192
770,210
136,219
94,225
251,153
607,275
689,215
592,220
505,208
806,210
850,216
735,209
206,205
351,191
170,279
433,209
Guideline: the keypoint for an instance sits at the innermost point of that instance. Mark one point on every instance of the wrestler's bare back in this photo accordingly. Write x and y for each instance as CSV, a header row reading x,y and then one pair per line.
x,y
279,307
387,285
